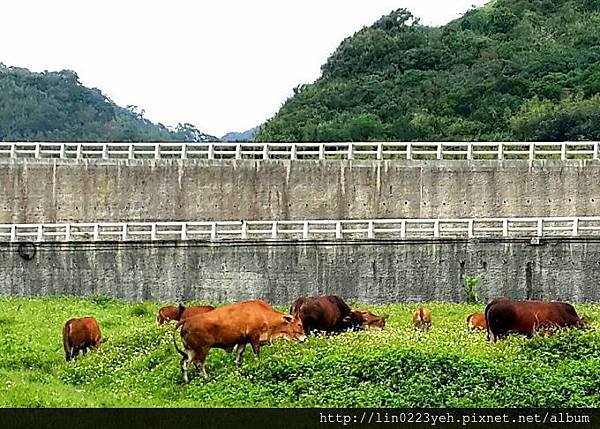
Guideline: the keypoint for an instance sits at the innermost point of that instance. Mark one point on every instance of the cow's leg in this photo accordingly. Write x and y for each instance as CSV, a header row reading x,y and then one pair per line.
x,y
256,346
199,360
240,353
185,363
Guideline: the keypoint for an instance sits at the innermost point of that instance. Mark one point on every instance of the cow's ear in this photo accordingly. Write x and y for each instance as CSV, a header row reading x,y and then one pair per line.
x,y
287,318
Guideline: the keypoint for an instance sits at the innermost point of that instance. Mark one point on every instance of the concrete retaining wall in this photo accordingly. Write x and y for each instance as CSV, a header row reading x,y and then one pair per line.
x,y
370,272
36,191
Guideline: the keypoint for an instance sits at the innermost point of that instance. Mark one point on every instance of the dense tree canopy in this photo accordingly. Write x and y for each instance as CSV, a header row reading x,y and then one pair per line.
x,y
54,106
512,70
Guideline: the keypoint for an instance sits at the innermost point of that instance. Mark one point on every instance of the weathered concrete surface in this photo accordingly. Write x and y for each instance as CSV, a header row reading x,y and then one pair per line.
x,y
370,272
35,191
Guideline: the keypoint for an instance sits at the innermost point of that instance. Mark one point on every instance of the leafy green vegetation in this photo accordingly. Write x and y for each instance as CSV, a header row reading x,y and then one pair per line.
x,y
516,70
138,366
55,106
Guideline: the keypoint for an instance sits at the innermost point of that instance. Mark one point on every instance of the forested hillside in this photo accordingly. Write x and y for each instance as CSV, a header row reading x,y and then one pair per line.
x,y
512,70
55,106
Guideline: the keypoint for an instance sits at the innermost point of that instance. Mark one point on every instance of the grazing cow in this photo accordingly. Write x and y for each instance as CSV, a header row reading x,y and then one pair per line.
x,y
326,313
371,322
526,317
80,335
250,322
170,313
422,318
476,321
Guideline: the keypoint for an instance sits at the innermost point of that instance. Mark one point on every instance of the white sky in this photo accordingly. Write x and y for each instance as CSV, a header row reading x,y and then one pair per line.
x,y
223,65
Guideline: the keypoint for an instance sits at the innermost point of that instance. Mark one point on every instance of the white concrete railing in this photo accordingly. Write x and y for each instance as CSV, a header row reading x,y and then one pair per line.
x,y
307,230
299,151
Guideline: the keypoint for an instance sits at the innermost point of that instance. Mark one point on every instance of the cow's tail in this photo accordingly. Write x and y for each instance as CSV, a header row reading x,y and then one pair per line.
x,y
66,335
421,315
181,352
180,311
487,321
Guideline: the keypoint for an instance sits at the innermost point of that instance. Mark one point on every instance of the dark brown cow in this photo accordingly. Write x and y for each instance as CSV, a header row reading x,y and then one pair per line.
x,y
80,335
326,313
170,313
251,322
476,321
526,317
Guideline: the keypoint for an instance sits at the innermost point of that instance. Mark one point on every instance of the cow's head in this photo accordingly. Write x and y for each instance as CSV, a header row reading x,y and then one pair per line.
x,y
372,322
353,321
166,315
582,322
289,329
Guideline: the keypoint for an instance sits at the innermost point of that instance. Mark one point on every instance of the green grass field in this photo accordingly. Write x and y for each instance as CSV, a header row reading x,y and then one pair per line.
x,y
446,367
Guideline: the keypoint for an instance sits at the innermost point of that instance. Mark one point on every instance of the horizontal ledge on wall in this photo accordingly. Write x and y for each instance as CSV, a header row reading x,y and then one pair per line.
x,y
531,228
304,151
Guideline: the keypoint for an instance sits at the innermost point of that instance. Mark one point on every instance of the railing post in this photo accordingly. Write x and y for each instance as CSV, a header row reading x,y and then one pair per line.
x,y
440,152
130,153
293,154
184,231
470,151
266,151
244,230
78,153
370,230
211,151
575,227
531,151
104,151
305,230
380,151
96,232
13,233
238,151
40,232
563,151
500,150
62,151
183,151
125,232
213,231
68,232
540,227
350,151
274,230
408,151
403,229
153,232
338,230
37,151
13,150
436,229
321,151
157,151
471,229
504,227
596,150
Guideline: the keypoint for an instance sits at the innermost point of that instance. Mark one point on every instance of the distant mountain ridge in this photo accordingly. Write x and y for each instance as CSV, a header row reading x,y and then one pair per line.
x,y
55,106
243,136
511,70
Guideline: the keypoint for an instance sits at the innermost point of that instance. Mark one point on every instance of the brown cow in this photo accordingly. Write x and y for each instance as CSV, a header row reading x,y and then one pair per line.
x,y
371,322
80,335
476,321
250,322
526,317
326,313
170,313
422,318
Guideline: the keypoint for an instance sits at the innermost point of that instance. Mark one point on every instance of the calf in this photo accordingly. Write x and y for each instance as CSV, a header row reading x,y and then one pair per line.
x,y
80,335
476,321
526,317
252,322
371,322
326,313
422,318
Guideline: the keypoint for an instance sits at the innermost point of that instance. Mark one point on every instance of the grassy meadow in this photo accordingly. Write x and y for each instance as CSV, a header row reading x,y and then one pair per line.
x,y
446,367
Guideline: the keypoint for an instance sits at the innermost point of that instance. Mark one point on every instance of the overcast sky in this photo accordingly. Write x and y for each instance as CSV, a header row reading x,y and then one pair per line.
x,y
223,65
